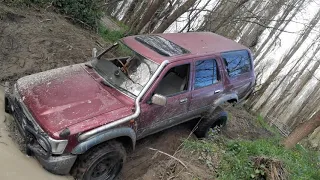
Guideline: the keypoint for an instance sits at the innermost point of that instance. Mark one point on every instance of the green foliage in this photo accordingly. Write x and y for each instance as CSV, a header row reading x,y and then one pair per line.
x,y
236,154
26,2
108,35
84,12
264,124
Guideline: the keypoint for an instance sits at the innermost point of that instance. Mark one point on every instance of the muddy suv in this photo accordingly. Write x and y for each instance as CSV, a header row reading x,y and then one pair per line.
x,y
82,119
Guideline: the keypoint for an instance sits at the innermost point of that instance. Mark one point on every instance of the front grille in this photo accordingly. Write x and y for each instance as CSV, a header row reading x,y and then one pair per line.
x,y
20,114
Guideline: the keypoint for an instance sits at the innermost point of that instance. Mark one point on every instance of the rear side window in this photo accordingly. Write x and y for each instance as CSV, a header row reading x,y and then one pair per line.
x,y
206,73
237,62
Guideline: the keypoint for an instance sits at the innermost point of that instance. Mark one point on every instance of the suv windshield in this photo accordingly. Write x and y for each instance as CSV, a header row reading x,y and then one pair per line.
x,y
124,69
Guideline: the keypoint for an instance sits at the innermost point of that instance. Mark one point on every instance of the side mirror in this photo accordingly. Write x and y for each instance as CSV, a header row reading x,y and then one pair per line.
x,y
159,100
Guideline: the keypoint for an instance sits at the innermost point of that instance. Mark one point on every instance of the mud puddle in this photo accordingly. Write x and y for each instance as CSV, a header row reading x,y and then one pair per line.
x,y
14,164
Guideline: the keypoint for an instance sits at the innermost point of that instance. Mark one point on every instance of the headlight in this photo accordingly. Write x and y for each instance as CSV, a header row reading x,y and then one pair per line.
x,y
57,146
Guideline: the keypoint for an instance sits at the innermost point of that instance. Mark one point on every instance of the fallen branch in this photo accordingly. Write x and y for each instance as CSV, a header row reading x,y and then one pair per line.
x,y
169,156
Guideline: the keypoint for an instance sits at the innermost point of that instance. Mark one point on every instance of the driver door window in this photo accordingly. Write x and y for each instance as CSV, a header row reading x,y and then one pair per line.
x,y
175,86
174,82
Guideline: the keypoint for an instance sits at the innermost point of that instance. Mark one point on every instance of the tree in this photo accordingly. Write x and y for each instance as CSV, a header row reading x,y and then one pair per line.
x,y
287,98
152,8
276,37
129,13
174,16
134,20
285,59
279,22
302,131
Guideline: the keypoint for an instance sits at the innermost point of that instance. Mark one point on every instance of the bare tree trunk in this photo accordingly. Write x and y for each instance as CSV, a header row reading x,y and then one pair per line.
x,y
192,17
134,20
280,21
130,11
112,6
151,9
229,15
286,59
302,131
174,16
240,26
278,105
163,10
309,106
258,60
298,89
120,9
279,85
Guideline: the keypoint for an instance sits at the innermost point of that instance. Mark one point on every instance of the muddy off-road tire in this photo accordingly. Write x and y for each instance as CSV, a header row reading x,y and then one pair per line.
x,y
216,118
103,162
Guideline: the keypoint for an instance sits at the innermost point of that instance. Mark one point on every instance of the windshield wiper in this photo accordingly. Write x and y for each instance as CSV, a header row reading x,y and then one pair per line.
x,y
106,50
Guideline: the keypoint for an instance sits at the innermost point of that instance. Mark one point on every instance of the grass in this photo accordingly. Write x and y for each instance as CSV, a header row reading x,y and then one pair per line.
x,y
235,157
109,35
264,124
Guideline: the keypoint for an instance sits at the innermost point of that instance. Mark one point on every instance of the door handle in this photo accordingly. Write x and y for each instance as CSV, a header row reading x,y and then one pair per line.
x,y
182,101
217,91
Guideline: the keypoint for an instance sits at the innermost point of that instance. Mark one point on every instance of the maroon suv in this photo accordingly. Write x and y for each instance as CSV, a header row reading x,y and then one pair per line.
x,y
82,119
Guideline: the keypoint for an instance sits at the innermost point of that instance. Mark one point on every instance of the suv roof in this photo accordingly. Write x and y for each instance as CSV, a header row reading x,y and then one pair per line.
x,y
192,44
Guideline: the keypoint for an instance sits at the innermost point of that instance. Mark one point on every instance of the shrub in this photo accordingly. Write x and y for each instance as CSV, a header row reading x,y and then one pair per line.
x,y
109,35
85,11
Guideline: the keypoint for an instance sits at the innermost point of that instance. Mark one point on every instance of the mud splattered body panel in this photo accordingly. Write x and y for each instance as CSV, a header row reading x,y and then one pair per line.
x,y
68,96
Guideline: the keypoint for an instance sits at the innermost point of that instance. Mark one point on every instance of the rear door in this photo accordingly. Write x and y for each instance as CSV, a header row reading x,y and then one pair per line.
x,y
207,82
240,71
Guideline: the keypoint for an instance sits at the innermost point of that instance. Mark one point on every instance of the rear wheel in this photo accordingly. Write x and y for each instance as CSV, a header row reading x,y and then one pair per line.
x,y
103,162
217,118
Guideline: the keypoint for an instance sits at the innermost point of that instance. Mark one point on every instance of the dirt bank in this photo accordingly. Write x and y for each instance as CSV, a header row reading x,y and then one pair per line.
x,y
32,41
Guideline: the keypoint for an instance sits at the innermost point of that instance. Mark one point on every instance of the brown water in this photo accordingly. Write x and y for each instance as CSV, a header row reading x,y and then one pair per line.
x,y
14,165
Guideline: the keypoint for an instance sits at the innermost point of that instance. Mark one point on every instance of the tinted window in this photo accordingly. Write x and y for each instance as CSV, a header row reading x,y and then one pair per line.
x,y
206,73
161,45
237,62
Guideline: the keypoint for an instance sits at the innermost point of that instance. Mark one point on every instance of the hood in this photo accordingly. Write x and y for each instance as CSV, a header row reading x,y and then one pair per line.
x,y
65,96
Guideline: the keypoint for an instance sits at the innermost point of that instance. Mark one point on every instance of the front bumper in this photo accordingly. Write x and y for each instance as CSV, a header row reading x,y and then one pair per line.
x,y
57,164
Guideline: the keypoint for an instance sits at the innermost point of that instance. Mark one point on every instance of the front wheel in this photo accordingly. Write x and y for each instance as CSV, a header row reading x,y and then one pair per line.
x,y
103,162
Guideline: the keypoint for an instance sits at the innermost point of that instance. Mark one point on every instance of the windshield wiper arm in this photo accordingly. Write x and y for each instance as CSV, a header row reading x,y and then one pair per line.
x,y
106,50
